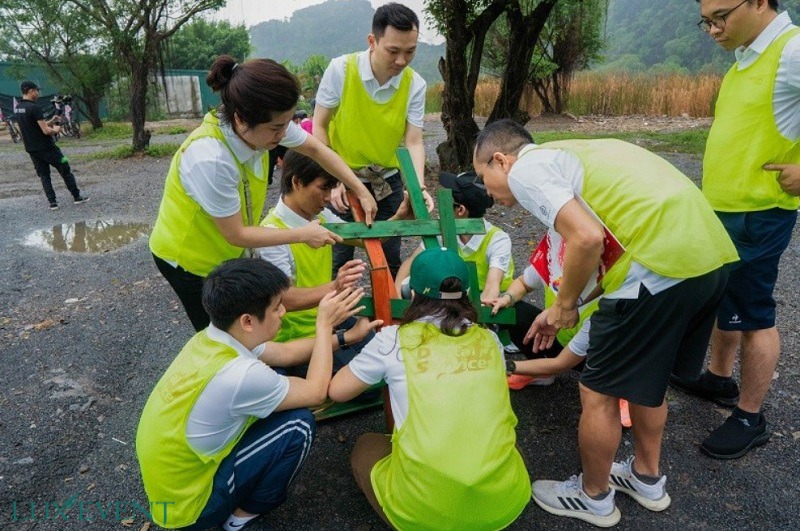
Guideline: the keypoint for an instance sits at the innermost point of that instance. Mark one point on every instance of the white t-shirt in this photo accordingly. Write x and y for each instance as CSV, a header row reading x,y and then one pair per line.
x,y
281,255
498,251
209,172
786,94
244,387
329,93
544,180
380,360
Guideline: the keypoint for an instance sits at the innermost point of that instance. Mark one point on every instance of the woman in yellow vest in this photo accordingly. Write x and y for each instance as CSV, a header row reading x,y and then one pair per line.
x,y
216,186
446,375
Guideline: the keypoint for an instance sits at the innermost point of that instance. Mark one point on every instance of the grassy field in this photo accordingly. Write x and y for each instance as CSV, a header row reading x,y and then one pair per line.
x,y
611,95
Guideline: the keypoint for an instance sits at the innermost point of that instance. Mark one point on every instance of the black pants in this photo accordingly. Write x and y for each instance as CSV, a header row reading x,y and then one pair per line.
x,y
526,313
189,288
387,207
42,160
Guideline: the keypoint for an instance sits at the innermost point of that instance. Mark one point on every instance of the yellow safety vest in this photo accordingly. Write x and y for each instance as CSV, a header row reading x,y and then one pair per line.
x,y
454,462
175,476
184,233
656,212
744,137
313,268
482,264
363,131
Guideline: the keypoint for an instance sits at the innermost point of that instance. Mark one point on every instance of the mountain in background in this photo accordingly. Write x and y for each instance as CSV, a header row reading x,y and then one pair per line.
x,y
331,29
663,35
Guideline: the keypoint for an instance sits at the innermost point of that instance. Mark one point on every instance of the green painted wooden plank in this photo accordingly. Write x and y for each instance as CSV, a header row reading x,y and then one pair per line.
x,y
414,192
447,219
410,227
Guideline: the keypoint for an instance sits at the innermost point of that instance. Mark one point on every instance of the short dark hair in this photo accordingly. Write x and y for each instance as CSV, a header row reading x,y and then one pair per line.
x,y
395,15
452,311
505,136
305,169
241,286
772,3
255,90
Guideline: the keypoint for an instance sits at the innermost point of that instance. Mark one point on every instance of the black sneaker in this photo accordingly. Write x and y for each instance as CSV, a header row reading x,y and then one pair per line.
x,y
53,206
735,438
81,199
724,392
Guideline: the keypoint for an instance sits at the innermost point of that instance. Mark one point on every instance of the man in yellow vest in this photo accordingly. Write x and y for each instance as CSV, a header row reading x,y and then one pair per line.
x,y
222,429
369,103
305,190
660,299
756,133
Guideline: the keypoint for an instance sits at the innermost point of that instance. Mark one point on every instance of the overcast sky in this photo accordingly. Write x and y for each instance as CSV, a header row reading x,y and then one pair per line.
x,y
254,11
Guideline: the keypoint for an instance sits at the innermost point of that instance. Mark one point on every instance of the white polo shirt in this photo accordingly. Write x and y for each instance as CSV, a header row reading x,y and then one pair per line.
x,y
245,387
281,255
543,181
209,172
786,94
329,93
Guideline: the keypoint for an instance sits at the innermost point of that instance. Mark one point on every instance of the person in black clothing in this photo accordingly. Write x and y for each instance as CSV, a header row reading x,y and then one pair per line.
x,y
38,136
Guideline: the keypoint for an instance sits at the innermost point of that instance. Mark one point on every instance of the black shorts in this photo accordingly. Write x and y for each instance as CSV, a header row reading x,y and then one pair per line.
x,y
634,344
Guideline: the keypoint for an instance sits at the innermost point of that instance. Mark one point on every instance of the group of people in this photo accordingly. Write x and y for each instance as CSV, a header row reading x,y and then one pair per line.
x,y
273,301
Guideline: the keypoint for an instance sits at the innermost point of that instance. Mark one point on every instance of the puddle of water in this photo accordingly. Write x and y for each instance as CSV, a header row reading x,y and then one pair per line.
x,y
88,236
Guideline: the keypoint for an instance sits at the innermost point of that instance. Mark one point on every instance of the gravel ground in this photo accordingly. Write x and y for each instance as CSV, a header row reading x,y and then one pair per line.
x,y
85,337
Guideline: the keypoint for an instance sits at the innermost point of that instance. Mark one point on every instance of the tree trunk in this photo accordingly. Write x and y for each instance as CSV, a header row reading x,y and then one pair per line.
x,y
524,31
92,107
141,137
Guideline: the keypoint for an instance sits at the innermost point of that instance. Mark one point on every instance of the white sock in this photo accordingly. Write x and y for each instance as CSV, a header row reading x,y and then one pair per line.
x,y
235,523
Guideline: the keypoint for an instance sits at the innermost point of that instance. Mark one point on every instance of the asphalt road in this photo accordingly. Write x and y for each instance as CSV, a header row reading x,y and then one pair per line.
x,y
86,336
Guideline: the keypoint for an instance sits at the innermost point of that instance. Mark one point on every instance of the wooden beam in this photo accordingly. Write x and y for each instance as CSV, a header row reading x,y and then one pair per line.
x,y
410,227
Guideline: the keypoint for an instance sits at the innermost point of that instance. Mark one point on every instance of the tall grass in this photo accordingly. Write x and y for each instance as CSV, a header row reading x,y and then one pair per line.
x,y
612,94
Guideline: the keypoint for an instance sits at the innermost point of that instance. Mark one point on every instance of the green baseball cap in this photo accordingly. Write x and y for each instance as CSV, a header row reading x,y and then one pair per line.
x,y
431,267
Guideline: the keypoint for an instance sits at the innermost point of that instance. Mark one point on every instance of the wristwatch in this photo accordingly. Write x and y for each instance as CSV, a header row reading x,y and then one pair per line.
x,y
340,338
511,366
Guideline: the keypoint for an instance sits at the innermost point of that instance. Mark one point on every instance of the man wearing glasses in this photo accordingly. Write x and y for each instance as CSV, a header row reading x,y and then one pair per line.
x,y
751,177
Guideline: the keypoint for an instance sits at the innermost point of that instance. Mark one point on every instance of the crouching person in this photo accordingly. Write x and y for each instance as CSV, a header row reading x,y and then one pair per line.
x,y
452,461
222,434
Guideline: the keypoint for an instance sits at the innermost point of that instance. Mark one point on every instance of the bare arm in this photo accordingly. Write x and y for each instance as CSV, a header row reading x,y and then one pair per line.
x,y
322,117
584,236
345,386
414,142
303,298
237,233
491,290
405,269
565,360
313,389
47,128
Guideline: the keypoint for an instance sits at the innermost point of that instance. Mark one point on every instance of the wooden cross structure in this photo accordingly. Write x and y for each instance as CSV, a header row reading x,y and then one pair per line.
x,y
385,303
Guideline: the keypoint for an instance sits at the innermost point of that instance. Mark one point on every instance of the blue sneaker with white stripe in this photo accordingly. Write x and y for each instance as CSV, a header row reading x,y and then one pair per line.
x,y
567,498
652,497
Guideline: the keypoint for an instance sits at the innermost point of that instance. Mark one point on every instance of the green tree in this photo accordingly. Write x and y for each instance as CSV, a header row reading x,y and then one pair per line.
x,y
135,31
197,44
54,35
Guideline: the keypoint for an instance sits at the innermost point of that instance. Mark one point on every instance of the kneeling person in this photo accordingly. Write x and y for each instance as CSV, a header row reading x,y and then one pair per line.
x,y
305,190
196,440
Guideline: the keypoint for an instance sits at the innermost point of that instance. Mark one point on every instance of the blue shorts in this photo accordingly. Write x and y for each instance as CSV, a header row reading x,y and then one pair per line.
x,y
760,239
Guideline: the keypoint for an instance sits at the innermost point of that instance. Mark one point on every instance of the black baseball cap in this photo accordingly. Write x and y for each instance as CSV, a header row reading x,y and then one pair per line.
x,y
467,191
27,85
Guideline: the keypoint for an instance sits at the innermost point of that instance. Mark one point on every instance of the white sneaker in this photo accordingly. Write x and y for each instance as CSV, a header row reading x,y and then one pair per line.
x,y
567,498
653,497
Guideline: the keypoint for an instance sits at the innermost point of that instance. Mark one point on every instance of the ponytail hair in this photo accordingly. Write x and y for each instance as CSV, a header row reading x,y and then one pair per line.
x,y
254,90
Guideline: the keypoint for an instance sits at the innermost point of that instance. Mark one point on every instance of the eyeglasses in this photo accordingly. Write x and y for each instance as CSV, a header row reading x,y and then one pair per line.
x,y
718,21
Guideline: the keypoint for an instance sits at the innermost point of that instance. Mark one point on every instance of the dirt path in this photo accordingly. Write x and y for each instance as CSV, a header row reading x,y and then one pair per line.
x,y
85,337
